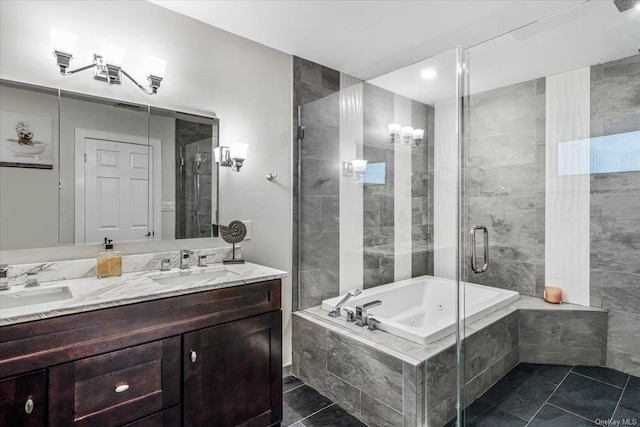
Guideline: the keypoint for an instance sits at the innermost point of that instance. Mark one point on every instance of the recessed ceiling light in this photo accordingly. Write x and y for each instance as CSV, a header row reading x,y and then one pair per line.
x,y
428,73
638,6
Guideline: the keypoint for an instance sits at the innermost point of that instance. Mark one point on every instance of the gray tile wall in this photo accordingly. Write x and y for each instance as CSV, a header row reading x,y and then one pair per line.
x,y
378,232
422,192
615,214
504,183
316,88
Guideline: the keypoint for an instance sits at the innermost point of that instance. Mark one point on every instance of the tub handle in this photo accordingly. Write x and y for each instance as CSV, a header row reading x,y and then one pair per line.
x,y
485,248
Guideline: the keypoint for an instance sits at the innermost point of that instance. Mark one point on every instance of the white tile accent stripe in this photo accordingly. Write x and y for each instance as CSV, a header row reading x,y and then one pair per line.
x,y
351,195
567,197
445,200
402,194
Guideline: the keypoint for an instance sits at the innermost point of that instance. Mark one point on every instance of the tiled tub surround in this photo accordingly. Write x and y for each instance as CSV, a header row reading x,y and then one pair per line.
x,y
423,309
379,378
91,293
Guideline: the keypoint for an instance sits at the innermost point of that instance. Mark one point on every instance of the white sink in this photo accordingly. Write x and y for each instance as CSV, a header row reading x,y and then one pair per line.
x,y
192,277
33,296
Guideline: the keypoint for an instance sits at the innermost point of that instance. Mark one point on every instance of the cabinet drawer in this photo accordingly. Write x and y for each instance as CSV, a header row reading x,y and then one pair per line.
x,y
115,388
168,418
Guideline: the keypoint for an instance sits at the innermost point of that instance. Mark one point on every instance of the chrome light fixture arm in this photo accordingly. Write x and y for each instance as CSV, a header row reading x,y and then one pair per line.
x,y
105,72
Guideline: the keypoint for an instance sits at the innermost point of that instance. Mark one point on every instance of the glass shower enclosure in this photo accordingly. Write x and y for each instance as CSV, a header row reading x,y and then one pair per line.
x,y
491,172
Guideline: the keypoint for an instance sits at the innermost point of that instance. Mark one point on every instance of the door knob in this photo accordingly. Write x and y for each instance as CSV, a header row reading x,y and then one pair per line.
x,y
194,356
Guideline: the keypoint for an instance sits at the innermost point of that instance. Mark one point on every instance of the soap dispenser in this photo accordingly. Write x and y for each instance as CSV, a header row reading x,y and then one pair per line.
x,y
109,262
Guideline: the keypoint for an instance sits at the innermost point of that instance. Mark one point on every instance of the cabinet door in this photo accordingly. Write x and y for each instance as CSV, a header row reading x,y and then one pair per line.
x,y
233,373
22,400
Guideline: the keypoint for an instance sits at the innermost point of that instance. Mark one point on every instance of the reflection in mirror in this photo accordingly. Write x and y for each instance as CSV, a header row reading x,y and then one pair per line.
x,y
190,175
28,166
106,171
124,171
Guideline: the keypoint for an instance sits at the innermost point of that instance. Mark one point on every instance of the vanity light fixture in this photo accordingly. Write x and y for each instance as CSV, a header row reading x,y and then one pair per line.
x,y
405,134
107,66
232,156
355,169
428,73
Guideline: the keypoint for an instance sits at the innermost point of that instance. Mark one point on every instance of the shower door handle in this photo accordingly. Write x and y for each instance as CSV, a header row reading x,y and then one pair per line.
x,y
485,264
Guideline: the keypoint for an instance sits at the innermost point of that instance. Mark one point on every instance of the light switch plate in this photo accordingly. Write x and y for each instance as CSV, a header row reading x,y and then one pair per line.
x,y
168,207
247,224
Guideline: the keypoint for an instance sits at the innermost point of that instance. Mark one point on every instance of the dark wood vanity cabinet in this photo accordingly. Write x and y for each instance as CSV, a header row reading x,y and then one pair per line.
x,y
212,358
22,400
228,373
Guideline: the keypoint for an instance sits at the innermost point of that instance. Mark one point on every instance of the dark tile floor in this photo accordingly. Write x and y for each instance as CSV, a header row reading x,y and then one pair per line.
x,y
305,407
559,396
530,395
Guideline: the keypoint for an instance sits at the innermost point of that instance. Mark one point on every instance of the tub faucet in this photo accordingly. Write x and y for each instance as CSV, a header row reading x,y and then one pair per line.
x,y
362,317
336,310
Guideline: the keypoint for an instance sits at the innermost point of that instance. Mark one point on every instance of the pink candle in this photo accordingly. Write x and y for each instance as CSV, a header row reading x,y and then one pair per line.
x,y
552,294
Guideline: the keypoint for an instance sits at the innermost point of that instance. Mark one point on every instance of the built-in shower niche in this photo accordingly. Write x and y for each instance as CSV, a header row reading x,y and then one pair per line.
x,y
194,148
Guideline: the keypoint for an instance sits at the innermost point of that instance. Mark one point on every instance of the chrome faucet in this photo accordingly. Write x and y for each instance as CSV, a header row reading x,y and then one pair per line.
x,y
185,258
165,264
336,310
4,280
32,279
362,317
202,260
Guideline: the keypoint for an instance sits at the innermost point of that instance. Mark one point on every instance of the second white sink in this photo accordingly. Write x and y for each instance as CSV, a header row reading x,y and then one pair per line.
x,y
192,278
27,297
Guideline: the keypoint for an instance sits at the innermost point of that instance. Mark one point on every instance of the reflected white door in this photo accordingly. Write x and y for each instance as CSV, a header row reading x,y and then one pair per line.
x,y
116,191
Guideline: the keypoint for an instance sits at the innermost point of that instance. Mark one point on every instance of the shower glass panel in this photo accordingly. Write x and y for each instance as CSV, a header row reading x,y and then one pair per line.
x,y
551,132
195,181
386,226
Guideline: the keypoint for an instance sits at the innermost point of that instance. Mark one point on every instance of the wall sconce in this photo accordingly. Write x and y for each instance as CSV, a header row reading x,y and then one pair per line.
x,y
232,156
107,67
355,169
407,134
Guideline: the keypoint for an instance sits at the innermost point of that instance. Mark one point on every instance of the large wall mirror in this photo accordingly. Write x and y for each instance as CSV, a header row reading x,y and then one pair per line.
x,y
76,169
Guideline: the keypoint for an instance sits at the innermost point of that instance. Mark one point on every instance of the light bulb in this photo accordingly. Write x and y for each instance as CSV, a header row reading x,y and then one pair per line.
x,y
112,54
156,66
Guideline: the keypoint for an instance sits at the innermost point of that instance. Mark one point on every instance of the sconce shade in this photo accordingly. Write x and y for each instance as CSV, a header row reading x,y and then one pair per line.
x,y
359,166
418,133
63,41
239,150
112,55
156,66
394,128
406,131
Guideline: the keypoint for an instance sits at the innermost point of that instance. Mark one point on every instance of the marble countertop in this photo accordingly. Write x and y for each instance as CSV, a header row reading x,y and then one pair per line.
x,y
91,293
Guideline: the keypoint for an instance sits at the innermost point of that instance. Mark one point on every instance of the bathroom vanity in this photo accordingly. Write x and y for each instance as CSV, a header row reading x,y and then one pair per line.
x,y
207,356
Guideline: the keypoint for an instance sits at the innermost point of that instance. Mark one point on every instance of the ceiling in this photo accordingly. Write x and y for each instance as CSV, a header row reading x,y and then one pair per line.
x,y
389,43
365,38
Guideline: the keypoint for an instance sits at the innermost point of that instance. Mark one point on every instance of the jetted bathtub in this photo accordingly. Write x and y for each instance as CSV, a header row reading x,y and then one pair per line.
x,y
422,309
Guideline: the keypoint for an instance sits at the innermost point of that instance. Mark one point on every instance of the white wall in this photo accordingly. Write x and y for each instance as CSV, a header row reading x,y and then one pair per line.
x,y
247,85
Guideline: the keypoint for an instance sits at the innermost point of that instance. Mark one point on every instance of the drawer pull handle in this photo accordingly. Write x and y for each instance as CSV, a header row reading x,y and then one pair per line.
x,y
121,388
194,356
28,406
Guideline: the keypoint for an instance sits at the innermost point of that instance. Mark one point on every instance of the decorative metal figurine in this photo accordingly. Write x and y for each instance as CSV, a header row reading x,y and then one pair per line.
x,y
234,233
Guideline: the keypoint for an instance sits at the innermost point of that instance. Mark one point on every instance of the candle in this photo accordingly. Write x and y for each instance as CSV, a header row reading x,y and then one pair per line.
x,y
552,294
